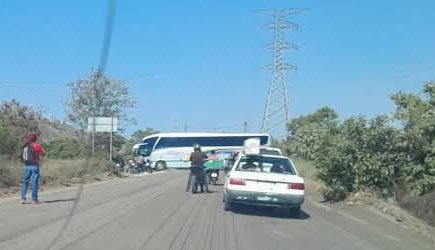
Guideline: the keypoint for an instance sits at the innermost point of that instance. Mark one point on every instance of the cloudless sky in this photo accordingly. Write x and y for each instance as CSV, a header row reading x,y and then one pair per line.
x,y
199,62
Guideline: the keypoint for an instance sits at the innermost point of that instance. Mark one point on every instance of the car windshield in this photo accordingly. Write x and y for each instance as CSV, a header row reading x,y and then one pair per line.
x,y
265,165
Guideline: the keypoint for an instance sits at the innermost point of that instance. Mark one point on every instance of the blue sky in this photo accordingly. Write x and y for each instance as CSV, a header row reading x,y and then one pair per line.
x,y
199,62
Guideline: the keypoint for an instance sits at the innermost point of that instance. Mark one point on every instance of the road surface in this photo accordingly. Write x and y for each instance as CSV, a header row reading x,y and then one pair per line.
x,y
155,212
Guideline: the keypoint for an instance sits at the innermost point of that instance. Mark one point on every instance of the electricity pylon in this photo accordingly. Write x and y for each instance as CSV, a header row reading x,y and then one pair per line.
x,y
276,114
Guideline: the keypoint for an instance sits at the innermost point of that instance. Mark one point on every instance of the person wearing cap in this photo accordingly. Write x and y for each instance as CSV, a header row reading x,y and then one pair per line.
x,y
31,169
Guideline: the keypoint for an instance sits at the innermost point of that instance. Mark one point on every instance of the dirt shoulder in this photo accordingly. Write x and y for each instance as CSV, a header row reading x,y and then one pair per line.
x,y
14,191
393,210
388,207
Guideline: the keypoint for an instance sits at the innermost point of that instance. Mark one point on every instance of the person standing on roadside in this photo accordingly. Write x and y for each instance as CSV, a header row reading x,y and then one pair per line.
x,y
30,154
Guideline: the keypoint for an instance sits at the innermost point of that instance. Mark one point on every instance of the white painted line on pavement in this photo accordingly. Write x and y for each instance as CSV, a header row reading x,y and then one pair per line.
x,y
146,174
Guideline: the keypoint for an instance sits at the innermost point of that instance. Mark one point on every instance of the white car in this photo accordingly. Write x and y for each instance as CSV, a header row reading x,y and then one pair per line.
x,y
263,179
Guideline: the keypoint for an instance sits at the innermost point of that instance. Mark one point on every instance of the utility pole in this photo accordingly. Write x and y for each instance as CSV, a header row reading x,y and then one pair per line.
x,y
94,107
111,138
245,127
276,114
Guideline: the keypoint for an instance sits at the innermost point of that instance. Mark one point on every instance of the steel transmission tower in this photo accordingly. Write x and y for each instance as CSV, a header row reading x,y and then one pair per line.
x,y
276,113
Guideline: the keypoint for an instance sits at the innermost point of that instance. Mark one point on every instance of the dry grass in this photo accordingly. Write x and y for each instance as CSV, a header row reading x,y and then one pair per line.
x,y
422,207
53,173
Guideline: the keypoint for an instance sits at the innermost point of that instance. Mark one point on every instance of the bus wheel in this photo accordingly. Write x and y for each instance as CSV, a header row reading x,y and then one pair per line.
x,y
160,165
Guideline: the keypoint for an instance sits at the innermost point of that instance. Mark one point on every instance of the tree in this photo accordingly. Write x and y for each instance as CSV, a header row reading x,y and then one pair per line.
x,y
363,154
98,95
138,135
307,133
18,117
417,114
16,121
325,117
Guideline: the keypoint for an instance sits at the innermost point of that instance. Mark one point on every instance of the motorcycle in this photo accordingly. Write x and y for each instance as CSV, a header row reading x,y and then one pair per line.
x,y
213,176
136,168
118,165
213,168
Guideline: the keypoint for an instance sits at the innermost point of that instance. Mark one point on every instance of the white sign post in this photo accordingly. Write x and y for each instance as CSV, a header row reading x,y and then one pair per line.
x,y
104,124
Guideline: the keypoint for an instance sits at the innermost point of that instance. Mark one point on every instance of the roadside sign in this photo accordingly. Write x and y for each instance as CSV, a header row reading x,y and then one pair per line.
x,y
102,124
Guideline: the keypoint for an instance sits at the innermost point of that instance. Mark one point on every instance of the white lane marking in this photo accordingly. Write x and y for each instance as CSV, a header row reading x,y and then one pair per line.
x,y
146,174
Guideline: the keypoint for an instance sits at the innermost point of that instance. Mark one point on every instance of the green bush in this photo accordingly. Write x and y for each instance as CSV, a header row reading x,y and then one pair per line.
x,y
307,133
350,156
67,149
361,156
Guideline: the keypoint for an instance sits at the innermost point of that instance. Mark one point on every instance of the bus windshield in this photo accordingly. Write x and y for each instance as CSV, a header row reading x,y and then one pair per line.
x,y
147,147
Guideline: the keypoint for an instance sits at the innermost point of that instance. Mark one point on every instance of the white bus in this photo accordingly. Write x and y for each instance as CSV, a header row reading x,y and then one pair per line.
x,y
172,150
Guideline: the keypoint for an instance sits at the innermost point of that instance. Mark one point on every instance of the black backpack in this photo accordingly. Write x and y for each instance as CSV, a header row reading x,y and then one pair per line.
x,y
28,156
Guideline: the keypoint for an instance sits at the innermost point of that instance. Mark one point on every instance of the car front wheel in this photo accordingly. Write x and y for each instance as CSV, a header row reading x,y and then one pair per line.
x,y
160,165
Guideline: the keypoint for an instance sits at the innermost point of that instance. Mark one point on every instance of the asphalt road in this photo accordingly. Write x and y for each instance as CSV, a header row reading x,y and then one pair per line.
x,y
155,212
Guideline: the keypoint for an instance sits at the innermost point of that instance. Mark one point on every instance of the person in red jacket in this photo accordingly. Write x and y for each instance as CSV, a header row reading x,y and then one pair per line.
x,y
31,168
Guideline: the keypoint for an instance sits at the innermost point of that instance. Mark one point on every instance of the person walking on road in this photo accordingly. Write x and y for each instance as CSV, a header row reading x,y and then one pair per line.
x,y
30,157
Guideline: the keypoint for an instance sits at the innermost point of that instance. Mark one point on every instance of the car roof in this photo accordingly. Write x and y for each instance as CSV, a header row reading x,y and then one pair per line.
x,y
270,151
266,155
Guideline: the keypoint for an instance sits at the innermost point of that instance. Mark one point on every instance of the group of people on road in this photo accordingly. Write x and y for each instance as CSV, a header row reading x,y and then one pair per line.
x,y
31,152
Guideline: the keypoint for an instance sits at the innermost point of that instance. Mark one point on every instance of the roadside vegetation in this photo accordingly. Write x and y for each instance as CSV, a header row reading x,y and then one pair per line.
x,y
393,157
69,158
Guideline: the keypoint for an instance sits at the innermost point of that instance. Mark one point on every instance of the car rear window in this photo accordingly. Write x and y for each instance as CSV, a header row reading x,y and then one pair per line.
x,y
265,164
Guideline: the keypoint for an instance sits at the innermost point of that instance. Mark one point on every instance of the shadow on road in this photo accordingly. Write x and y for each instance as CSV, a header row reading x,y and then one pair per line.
x,y
58,200
217,184
268,212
